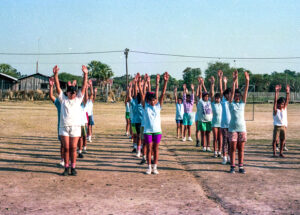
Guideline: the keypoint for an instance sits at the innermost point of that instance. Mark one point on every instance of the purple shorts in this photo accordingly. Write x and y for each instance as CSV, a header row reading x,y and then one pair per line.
x,y
152,138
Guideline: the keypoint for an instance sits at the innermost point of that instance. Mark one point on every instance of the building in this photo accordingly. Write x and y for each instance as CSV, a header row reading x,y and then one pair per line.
x,y
8,82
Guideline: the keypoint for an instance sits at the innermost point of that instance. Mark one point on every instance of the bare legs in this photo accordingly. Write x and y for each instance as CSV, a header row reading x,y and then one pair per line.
x,y
217,134
70,145
179,130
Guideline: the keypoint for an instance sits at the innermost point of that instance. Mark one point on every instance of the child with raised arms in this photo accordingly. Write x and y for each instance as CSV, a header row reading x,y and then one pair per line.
x,y
225,117
188,117
237,125
179,114
89,108
152,123
58,106
280,119
216,120
70,119
204,112
127,115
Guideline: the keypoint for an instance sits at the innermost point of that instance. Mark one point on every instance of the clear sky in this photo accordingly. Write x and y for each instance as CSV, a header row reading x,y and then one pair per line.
x,y
243,28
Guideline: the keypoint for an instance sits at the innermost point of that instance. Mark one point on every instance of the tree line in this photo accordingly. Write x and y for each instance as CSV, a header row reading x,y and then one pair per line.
x,y
102,72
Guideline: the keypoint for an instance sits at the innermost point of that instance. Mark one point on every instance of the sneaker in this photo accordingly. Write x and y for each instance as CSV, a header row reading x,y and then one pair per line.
x,y
204,149
285,149
232,169
155,172
126,134
148,172
219,154
190,139
242,170
228,159
197,143
73,172
215,154
134,150
277,149
224,162
183,139
208,149
143,161
62,163
80,155
66,172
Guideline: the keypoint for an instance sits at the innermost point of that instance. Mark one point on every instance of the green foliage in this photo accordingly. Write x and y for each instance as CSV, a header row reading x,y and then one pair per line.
x,y
190,76
64,76
9,70
121,81
100,71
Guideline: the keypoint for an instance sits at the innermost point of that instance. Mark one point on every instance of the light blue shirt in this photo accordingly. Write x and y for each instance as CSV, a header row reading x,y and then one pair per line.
x,y
217,114
152,123
179,111
237,122
132,110
225,120
58,106
127,107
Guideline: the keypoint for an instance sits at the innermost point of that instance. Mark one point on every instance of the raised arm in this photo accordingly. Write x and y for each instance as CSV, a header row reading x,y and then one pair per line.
x,y
200,88
57,84
225,81
85,78
212,88
220,75
193,94
166,79
157,85
175,95
235,74
51,83
90,85
86,94
277,89
184,94
247,77
130,91
287,100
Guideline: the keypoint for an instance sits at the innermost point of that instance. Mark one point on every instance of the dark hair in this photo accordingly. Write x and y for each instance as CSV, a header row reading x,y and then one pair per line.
x,y
188,96
179,98
150,96
217,95
280,100
71,89
227,91
237,91
138,98
204,94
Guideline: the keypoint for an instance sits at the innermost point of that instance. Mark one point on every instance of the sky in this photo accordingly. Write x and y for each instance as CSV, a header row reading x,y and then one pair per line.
x,y
231,28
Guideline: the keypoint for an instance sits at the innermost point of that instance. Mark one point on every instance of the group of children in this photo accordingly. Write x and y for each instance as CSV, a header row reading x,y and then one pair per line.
x,y
143,118
75,118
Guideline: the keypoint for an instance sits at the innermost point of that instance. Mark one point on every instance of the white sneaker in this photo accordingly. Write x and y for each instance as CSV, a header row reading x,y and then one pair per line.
x,y
126,134
277,149
208,149
62,163
155,172
148,172
190,139
204,149
84,150
285,149
183,139
215,154
220,154
224,162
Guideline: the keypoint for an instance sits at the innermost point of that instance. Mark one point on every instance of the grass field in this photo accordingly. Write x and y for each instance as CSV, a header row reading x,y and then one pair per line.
x,y
110,180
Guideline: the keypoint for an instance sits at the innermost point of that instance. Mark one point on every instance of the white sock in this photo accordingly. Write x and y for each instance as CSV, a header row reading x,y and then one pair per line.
x,y
80,151
144,157
149,166
84,148
154,166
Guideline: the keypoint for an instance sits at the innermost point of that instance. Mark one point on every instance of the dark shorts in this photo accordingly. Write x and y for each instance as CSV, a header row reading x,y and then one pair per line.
x,y
91,120
152,138
138,128
179,121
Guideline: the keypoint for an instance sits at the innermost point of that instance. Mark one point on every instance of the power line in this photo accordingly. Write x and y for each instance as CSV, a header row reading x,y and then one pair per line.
x,y
60,53
210,57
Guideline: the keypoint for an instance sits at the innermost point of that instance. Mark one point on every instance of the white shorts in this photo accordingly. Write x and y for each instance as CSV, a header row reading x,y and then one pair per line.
x,y
70,131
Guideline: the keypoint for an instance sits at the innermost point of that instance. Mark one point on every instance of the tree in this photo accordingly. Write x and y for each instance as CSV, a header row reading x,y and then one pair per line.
x,y
102,72
9,70
64,76
190,75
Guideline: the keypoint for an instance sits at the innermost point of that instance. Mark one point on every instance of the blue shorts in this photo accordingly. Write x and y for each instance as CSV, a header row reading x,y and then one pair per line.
x,y
188,118
91,120
179,121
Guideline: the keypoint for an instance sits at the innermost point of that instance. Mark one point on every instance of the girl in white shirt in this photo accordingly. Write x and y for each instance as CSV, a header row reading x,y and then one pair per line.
x,y
70,119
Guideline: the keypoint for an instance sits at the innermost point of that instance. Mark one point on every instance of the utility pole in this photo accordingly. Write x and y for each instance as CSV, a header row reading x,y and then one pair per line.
x,y
37,67
126,57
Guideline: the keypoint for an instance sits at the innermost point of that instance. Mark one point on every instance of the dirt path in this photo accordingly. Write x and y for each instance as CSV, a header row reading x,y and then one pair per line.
x,y
109,181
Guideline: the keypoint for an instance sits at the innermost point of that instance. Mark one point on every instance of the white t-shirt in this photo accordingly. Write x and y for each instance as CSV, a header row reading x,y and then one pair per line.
x,y
204,111
280,119
70,112
83,115
152,122
89,107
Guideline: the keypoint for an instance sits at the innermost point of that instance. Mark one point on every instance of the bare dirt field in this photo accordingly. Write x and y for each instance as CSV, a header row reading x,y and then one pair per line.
x,y
111,181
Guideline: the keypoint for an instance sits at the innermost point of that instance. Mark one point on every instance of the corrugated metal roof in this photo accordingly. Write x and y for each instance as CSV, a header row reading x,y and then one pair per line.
x,y
8,76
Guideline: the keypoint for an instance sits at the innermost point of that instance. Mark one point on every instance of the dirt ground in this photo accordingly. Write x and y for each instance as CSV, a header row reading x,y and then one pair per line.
x,y
111,181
